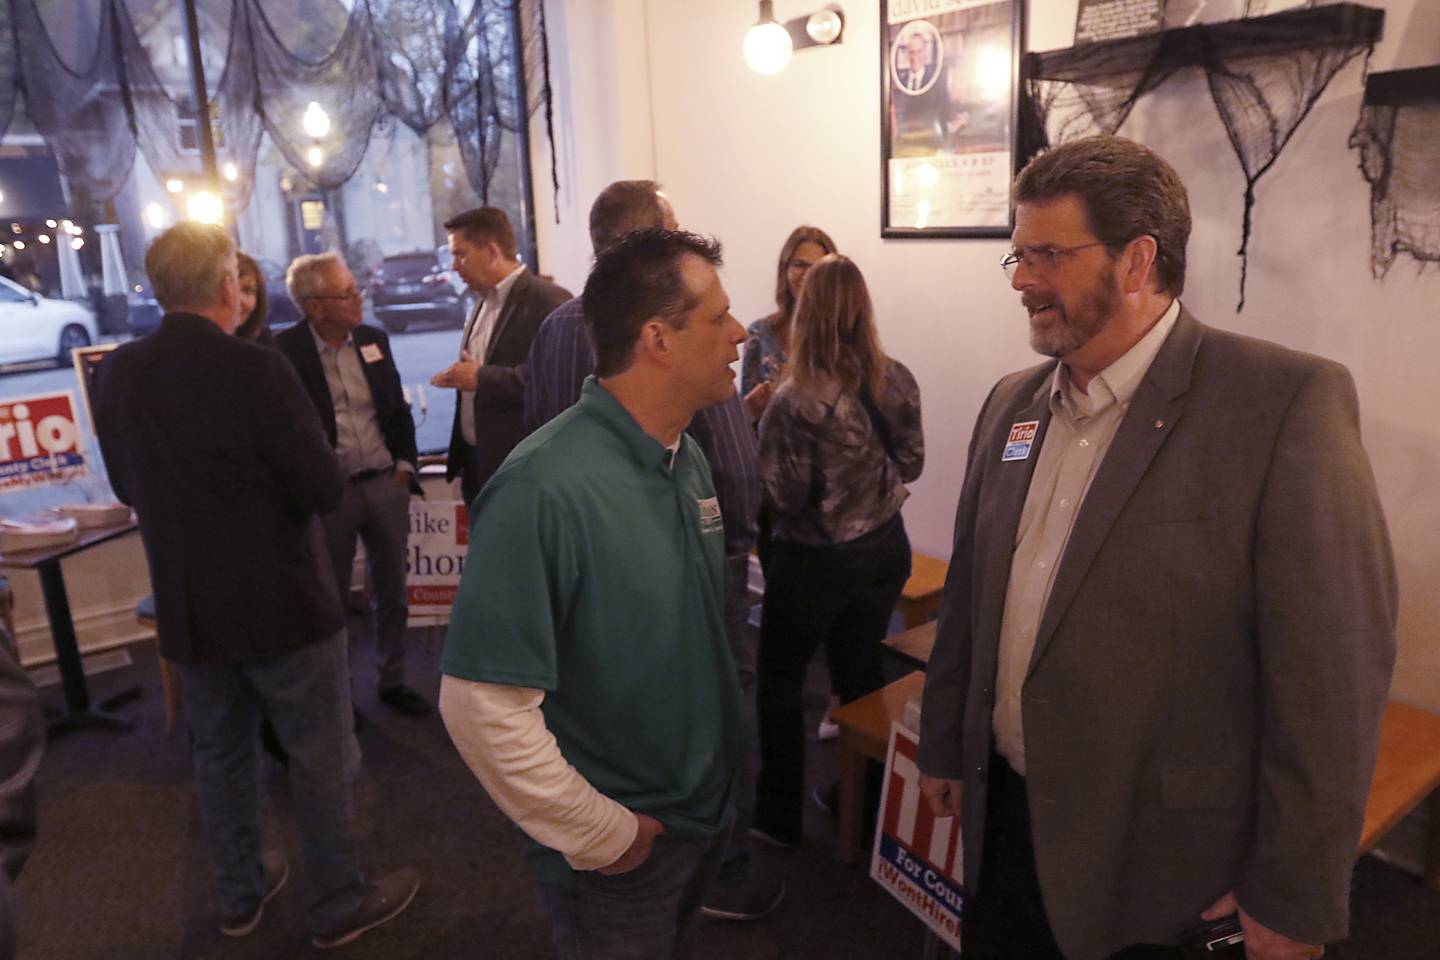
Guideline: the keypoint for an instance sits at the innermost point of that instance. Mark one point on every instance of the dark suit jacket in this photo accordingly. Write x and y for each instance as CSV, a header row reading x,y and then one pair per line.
x,y
500,396
216,445
1203,704
396,424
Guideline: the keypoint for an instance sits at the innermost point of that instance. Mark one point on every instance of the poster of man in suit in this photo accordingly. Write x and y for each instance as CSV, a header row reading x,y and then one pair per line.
x,y
949,100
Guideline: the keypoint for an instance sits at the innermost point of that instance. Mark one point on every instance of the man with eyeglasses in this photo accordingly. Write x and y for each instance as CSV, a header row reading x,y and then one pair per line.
x,y
1169,625
350,374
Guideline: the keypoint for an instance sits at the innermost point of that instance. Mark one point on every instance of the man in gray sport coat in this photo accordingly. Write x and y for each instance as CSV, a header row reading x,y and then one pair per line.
x,y
1169,625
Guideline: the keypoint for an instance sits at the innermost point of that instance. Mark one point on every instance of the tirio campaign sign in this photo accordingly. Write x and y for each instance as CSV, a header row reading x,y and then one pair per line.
x,y
40,440
439,537
918,856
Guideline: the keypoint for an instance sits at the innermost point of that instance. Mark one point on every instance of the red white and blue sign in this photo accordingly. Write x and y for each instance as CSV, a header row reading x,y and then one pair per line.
x,y
918,857
40,440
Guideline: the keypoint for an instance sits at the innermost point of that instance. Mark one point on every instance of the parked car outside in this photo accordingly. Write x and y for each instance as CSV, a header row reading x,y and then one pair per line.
x,y
145,313
33,327
409,287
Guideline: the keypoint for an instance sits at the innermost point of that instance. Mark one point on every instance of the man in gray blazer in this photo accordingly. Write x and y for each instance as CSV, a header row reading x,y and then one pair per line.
x,y
513,303
1169,625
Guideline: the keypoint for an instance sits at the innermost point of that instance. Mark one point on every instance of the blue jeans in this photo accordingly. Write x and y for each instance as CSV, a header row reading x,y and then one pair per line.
x,y
306,694
646,914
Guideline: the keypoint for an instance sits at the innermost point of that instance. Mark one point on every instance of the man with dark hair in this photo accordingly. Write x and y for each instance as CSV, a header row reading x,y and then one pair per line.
x,y
560,360
215,444
513,303
600,595
1168,629
350,374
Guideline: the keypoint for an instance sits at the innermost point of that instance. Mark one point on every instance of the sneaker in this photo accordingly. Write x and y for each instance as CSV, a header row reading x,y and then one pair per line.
x,y
756,897
827,730
775,839
387,899
402,699
276,870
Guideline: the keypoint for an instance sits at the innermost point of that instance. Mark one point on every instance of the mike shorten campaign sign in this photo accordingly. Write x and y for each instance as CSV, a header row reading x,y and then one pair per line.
x,y
918,857
40,440
435,555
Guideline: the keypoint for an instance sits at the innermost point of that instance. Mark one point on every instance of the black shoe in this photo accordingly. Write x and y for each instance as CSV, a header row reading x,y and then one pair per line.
x,y
402,699
827,798
387,899
276,870
753,898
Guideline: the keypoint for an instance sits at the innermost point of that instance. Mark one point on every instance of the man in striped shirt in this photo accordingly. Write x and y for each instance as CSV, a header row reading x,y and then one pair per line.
x,y
560,359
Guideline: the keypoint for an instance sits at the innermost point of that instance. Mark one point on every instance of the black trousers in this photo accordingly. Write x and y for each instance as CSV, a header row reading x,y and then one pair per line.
x,y
840,596
1005,919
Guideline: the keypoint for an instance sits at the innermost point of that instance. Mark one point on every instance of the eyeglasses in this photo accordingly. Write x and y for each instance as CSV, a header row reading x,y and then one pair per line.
x,y
356,294
1042,257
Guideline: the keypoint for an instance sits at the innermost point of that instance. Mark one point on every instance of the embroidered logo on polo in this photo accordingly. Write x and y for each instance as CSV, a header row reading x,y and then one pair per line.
x,y
710,521
1021,439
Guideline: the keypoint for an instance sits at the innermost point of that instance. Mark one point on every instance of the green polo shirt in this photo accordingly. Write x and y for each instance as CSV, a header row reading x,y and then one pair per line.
x,y
595,573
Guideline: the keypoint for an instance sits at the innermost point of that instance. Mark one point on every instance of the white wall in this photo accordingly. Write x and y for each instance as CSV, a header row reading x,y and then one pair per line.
x,y
655,88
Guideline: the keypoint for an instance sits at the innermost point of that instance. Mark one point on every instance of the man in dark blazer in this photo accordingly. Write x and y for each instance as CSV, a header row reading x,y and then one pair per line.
x,y
513,302
1168,629
214,443
350,374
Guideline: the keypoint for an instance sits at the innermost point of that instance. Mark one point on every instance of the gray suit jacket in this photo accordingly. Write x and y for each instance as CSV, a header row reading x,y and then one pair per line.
x,y
1202,708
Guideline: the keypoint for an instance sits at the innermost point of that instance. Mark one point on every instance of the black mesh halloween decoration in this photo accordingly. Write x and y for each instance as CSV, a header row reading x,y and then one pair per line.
x,y
1398,137
416,61
1264,75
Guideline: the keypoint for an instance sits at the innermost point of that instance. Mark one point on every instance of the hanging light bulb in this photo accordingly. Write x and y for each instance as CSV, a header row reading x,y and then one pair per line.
x,y
155,216
315,121
232,172
76,243
767,44
44,238
174,185
315,156
203,206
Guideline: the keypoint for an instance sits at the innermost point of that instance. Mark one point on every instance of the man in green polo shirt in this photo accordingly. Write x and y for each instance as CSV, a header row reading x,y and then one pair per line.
x,y
588,680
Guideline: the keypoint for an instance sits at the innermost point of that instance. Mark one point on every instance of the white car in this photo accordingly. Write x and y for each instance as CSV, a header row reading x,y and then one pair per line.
x,y
33,327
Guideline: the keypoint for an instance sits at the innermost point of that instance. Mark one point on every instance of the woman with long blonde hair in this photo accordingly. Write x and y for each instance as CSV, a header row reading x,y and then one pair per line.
x,y
839,440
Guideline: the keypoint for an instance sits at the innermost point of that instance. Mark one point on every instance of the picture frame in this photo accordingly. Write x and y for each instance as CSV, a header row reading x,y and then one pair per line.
x,y
949,116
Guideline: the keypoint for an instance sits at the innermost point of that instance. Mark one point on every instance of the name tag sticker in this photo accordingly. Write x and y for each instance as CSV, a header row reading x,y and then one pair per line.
x,y
710,521
1021,439
371,352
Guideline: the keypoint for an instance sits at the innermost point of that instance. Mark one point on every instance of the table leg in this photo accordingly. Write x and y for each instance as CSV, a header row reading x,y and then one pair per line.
x,y
78,712
851,798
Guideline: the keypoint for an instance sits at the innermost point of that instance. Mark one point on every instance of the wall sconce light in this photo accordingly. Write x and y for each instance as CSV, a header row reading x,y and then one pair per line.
x,y
769,43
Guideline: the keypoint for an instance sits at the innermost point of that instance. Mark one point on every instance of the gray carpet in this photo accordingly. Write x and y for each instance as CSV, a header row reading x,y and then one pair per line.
x,y
119,871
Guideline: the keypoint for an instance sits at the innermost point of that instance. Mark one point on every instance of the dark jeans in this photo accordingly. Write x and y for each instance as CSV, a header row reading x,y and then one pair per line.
x,y
377,511
1005,919
743,650
840,596
306,694
646,914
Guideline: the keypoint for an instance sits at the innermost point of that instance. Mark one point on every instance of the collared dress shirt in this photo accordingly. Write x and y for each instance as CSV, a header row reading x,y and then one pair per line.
x,y
481,331
1082,425
359,443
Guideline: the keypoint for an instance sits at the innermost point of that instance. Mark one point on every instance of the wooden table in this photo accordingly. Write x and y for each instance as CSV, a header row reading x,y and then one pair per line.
x,y
865,735
45,561
1406,775
920,597
912,647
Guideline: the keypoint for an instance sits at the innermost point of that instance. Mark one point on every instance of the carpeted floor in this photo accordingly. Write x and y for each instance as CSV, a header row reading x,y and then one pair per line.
x,y
119,871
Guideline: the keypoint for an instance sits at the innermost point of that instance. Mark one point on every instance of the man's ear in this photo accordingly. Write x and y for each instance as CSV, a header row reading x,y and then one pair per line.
x,y
1137,263
654,341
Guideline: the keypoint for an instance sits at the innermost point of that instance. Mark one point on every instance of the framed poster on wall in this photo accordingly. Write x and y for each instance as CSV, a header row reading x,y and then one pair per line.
x,y
949,110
